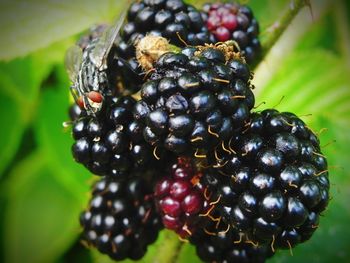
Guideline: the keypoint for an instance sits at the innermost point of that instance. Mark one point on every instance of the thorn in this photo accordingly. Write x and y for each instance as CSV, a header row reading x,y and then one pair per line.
x,y
289,124
328,143
208,212
292,185
209,233
322,131
217,220
206,195
197,139
220,165
252,243
305,115
216,155
240,239
272,243
213,133
180,38
191,85
229,146
199,155
215,202
183,239
280,101
222,80
322,172
155,153
238,97
185,227
260,104
290,248
225,231
223,147
319,154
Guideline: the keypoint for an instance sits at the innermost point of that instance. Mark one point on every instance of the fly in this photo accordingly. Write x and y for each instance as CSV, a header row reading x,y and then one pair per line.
x,y
87,69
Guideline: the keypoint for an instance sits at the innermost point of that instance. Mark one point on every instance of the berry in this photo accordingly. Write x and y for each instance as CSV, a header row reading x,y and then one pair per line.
x,y
180,198
273,181
193,101
178,22
232,21
221,244
121,220
111,143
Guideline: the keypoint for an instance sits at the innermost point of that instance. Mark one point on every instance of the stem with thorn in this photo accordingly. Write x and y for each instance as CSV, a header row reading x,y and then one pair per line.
x,y
277,29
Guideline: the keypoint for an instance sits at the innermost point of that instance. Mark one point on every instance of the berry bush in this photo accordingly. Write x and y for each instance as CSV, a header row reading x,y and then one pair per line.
x,y
220,157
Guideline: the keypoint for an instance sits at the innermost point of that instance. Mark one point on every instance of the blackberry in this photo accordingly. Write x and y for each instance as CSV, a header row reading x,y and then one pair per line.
x,y
175,20
121,220
220,244
111,143
180,198
274,184
232,21
195,99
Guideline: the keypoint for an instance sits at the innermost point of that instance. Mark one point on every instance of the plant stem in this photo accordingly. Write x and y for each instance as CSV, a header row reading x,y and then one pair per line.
x,y
342,30
277,29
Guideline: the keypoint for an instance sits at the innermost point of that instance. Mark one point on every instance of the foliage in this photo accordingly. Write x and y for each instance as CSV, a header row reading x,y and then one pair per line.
x,y
43,190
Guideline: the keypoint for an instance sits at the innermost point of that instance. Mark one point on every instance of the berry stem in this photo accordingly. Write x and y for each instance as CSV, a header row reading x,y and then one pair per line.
x,y
169,248
277,29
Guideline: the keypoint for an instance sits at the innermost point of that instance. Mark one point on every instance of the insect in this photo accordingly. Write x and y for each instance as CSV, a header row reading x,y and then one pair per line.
x,y
89,70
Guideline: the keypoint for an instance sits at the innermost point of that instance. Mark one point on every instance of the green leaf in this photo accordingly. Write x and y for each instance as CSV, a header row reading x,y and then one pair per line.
x,y
310,82
29,26
20,82
41,216
11,135
55,140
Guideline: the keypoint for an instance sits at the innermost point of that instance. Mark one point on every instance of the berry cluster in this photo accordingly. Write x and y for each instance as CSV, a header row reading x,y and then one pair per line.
x,y
194,100
175,20
180,198
274,183
232,21
187,152
121,220
216,243
110,143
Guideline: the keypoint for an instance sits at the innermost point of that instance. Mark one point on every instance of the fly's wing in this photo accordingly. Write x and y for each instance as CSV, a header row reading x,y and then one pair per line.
x,y
72,61
104,44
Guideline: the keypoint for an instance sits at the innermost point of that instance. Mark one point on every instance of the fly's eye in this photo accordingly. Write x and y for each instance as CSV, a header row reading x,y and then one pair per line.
x,y
95,96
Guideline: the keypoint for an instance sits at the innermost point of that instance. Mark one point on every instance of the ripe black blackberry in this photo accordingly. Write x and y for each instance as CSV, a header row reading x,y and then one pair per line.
x,y
272,180
111,143
121,220
216,243
233,21
173,19
180,198
195,99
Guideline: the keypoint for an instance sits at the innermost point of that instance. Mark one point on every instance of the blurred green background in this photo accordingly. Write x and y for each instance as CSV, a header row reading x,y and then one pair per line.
x,y
42,189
